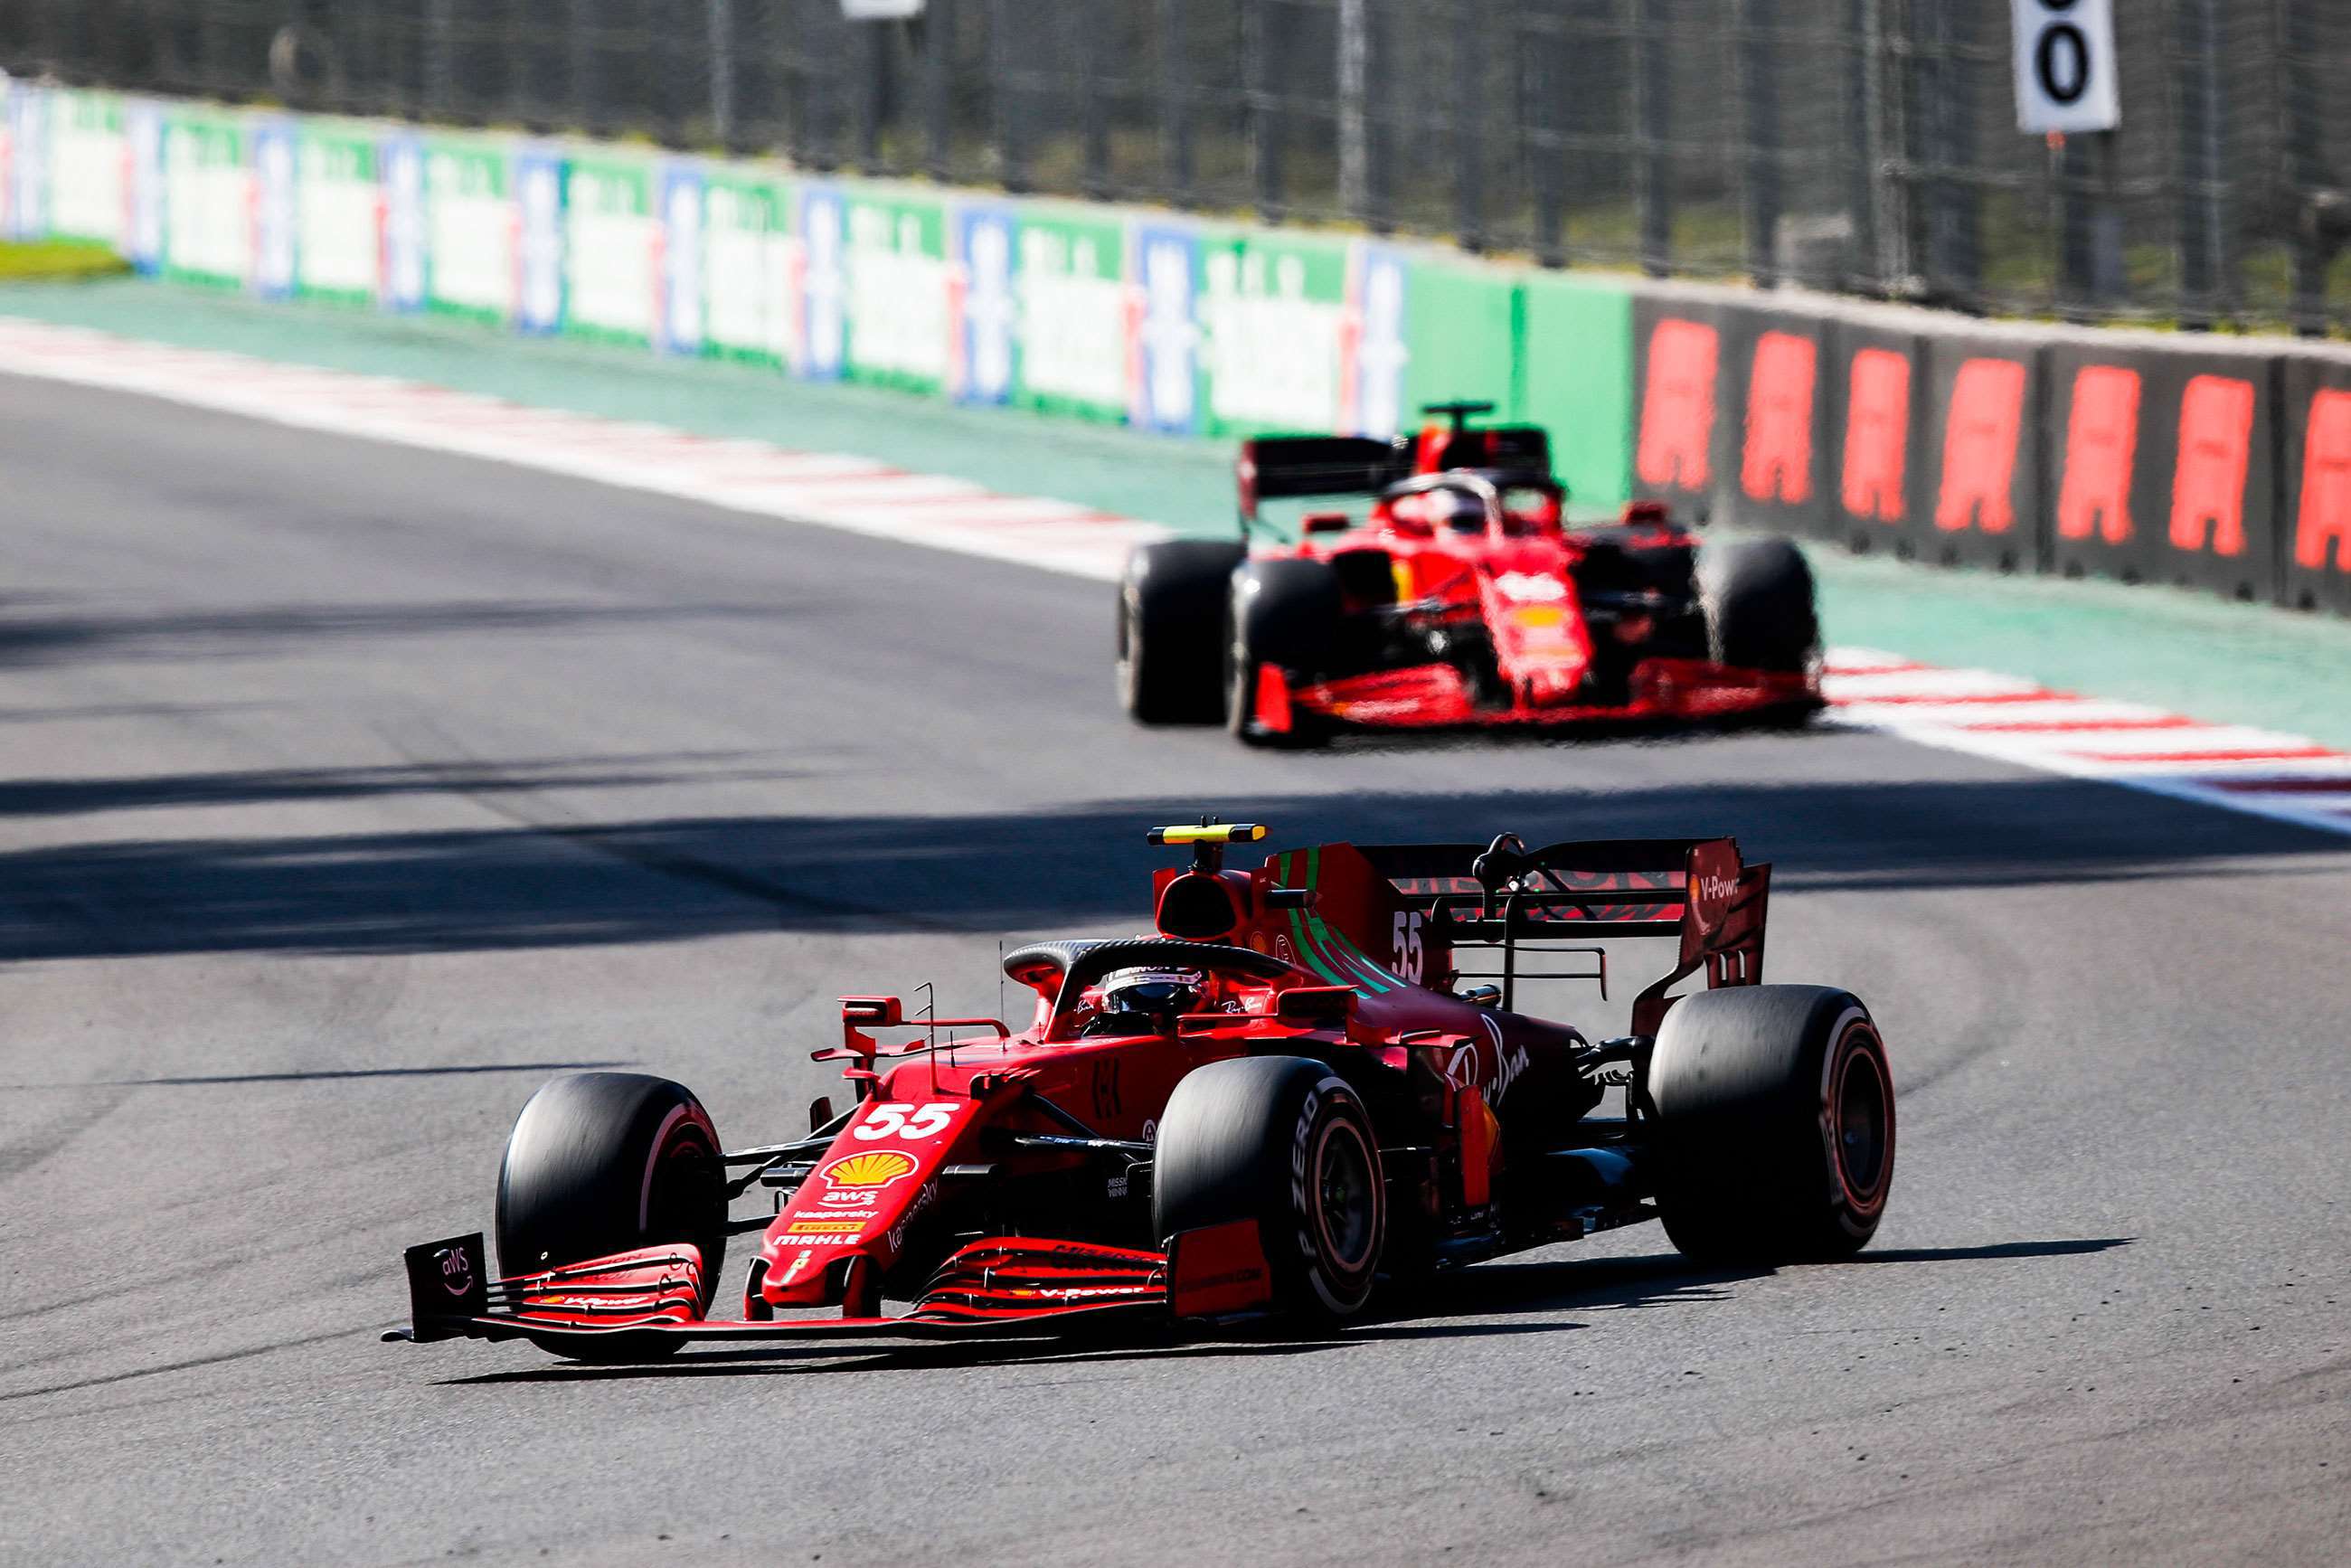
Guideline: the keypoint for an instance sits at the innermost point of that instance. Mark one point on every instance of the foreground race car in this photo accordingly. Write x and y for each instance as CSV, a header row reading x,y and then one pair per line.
x,y
1291,1090
1463,598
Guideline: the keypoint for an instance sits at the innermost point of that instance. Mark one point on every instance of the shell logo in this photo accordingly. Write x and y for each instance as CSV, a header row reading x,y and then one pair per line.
x,y
855,1178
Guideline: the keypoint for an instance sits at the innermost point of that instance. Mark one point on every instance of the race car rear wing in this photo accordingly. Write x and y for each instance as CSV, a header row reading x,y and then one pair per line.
x,y
1697,889
1273,468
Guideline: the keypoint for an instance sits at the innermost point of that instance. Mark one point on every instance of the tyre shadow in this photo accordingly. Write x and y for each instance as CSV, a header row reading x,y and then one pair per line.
x,y
1453,1305
1656,1280
1165,1344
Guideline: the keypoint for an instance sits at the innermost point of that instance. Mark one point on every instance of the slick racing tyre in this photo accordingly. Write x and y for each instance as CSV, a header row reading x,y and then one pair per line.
x,y
1285,613
1285,1142
1775,1124
1758,597
1171,631
607,1162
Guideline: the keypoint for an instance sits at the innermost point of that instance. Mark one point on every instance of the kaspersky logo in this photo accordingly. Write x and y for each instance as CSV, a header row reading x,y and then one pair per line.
x,y
855,1179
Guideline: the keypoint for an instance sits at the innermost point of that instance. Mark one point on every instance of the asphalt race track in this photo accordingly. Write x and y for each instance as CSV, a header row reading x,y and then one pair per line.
x,y
349,791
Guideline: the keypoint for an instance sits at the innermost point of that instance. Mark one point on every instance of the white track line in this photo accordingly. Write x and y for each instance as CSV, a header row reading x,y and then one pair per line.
x,y
2235,768
853,493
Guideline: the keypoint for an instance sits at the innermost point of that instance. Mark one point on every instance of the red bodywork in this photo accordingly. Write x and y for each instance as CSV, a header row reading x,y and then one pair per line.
x,y
997,1176
1512,618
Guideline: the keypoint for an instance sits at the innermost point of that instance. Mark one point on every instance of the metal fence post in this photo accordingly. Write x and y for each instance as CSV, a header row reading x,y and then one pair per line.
x,y
1379,127
440,62
938,77
2090,271
1354,87
2205,282
1546,163
1174,105
1861,121
721,19
1265,121
2319,215
1887,105
1009,113
1945,146
1759,96
208,50
870,51
581,60
1093,124
1653,168
1469,123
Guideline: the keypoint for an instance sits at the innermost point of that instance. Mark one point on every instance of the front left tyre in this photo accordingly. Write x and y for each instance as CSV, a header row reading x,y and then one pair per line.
x,y
602,1163
1286,616
1285,1142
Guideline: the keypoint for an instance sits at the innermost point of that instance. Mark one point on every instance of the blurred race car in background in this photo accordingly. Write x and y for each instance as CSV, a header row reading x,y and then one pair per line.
x,y
1464,597
1309,1076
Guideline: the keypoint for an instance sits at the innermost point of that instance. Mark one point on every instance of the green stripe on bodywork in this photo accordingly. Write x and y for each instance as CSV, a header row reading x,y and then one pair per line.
x,y
1328,951
1374,976
1297,919
1306,948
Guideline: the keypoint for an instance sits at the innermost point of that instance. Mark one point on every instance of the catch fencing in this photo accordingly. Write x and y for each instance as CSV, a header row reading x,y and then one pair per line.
x,y
2219,463
1868,146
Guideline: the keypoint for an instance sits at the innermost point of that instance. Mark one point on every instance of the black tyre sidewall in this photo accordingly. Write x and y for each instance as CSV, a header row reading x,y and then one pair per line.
x,y
1172,603
1749,1084
1250,1139
608,1162
1281,609
1759,604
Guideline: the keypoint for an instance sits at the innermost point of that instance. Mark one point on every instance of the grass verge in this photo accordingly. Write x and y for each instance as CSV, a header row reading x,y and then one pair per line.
x,y
56,261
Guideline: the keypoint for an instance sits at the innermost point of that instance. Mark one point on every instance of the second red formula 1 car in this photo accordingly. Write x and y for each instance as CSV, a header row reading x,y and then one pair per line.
x,y
1462,597
1295,1086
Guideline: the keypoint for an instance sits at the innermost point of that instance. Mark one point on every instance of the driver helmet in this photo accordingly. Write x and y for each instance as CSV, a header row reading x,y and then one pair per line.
x,y
1463,511
1161,994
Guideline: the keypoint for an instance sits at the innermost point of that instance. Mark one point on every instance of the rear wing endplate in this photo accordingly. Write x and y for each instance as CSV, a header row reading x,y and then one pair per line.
x,y
1697,889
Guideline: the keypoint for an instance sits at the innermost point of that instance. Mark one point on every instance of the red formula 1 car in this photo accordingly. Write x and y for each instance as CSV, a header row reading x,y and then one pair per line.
x,y
1463,598
1292,1088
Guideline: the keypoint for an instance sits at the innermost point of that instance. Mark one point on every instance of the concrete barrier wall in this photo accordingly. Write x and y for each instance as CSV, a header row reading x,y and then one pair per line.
x,y
2217,464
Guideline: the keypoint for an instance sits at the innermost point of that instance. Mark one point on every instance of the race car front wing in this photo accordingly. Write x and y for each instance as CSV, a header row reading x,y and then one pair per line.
x,y
999,1285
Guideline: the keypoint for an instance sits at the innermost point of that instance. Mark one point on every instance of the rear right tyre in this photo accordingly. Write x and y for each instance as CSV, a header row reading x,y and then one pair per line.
x,y
1775,1124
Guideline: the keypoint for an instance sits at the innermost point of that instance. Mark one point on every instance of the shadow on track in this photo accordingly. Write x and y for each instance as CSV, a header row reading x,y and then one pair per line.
x,y
1134,1346
54,636
266,786
1070,871
1450,1306
325,1075
1667,1280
